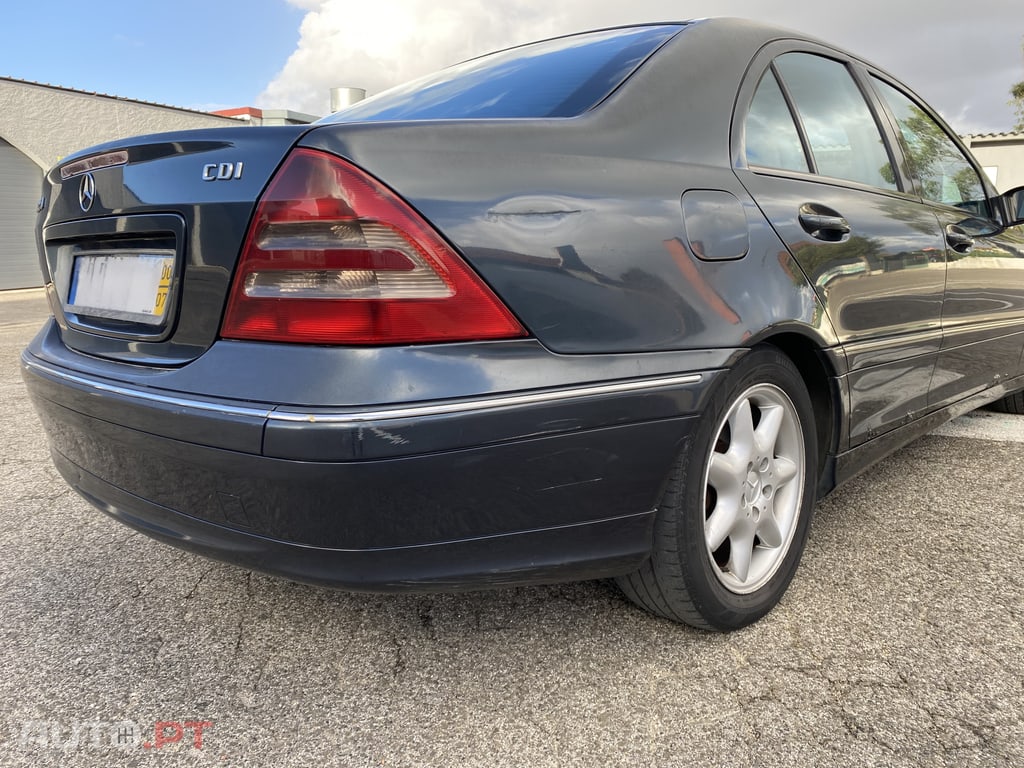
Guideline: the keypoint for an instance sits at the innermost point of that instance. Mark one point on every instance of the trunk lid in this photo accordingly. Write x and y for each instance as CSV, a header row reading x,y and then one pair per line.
x,y
139,238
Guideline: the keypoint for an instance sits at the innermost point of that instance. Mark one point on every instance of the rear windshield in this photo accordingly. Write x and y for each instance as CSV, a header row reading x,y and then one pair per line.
x,y
556,78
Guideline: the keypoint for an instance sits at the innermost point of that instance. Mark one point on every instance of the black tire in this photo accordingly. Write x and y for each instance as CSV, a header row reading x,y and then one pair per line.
x,y
1010,404
685,579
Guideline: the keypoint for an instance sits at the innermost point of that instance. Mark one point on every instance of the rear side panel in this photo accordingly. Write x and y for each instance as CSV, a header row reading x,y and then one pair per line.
x,y
589,250
577,223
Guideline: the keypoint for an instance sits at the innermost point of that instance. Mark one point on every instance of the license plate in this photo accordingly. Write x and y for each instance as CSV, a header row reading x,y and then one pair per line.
x,y
130,287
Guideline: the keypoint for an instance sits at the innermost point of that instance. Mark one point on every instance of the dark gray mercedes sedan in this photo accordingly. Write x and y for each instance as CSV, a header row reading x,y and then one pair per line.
x,y
620,304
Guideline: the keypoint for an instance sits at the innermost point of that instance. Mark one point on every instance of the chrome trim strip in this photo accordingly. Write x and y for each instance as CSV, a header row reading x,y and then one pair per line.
x,y
946,333
863,346
486,403
383,414
967,327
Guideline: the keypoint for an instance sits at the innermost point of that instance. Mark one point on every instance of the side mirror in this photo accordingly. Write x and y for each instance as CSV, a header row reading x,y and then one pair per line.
x,y
1014,202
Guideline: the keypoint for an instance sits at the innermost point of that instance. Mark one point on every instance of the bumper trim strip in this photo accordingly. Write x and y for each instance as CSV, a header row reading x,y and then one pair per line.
x,y
382,414
41,369
486,403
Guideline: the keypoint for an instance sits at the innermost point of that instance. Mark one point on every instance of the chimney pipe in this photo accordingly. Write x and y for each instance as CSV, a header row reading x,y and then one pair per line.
x,y
343,97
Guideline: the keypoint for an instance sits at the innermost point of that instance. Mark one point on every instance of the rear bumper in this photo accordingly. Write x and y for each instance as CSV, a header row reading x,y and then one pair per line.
x,y
508,488
572,552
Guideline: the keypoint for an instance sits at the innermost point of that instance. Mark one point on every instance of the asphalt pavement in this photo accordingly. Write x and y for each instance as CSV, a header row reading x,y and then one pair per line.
x,y
900,642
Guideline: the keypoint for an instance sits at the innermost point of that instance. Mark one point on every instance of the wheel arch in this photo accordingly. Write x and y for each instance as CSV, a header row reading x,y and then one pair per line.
x,y
821,379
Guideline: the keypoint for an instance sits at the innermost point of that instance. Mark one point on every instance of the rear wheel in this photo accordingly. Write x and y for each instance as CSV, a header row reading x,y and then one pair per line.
x,y
734,518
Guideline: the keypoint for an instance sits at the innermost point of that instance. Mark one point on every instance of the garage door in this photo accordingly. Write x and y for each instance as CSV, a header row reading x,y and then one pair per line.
x,y
20,185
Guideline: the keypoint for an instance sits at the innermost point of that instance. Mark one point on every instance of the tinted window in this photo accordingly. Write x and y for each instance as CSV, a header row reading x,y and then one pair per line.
x,y
771,135
556,78
844,138
944,173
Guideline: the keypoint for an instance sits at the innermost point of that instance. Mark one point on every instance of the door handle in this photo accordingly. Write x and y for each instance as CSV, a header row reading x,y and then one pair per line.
x,y
958,238
823,223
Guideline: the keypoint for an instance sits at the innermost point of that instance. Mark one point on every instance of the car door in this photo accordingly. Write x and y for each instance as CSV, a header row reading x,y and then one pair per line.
x,y
815,156
983,308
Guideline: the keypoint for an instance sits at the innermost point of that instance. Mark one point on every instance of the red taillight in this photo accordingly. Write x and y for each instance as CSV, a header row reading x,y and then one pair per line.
x,y
333,257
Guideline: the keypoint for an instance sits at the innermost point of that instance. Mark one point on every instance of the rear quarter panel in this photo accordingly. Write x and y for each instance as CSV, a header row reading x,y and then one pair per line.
x,y
589,250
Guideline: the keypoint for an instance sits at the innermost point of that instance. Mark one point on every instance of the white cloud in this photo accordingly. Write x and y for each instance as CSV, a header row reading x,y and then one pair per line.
x,y
386,42
962,59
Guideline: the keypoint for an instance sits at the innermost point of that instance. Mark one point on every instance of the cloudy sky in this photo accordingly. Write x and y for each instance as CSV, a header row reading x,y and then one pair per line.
x,y
960,56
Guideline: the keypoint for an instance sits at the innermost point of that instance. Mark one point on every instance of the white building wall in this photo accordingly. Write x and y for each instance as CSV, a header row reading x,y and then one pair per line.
x,y
1002,156
49,123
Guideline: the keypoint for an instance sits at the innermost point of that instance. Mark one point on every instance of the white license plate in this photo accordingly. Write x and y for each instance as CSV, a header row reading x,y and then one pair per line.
x,y
124,287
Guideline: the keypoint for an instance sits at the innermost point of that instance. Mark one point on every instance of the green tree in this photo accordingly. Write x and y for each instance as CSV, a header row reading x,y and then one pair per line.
x,y
1017,92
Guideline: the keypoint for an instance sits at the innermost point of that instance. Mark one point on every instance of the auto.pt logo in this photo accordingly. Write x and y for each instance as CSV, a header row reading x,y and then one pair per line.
x,y
123,734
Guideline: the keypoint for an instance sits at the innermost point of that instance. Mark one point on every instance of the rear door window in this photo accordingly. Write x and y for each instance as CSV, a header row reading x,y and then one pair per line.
x,y
845,141
771,135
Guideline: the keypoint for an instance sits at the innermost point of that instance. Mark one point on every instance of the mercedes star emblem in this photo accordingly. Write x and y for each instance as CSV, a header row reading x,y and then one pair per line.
x,y
87,192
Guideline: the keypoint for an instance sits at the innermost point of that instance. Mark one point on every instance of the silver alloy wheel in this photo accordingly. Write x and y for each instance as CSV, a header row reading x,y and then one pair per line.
x,y
753,488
